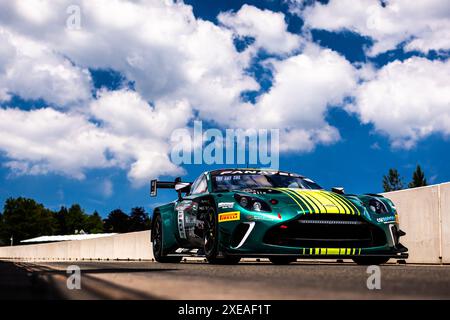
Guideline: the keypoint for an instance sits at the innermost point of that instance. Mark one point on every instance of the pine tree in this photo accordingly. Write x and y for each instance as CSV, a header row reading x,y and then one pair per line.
x,y
94,223
61,217
139,220
393,181
75,219
117,221
418,178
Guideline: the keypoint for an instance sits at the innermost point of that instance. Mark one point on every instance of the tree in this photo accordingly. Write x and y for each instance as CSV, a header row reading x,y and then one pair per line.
x,y
75,219
139,220
117,221
418,178
94,223
25,218
1,230
61,217
393,181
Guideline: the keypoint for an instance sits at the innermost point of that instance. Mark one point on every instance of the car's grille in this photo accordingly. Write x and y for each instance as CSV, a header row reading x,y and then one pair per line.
x,y
326,231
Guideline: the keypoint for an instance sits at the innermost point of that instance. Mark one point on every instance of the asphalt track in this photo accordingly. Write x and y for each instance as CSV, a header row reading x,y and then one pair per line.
x,y
197,280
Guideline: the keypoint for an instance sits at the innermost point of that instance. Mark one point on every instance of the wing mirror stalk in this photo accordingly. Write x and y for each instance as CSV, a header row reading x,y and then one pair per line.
x,y
177,185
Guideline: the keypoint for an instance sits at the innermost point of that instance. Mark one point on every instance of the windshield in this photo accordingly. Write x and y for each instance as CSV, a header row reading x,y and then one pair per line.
x,y
222,183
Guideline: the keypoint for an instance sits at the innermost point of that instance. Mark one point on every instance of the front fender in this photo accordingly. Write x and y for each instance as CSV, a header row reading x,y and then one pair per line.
x,y
387,221
169,226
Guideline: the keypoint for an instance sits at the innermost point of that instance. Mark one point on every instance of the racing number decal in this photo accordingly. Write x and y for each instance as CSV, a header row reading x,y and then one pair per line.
x,y
230,216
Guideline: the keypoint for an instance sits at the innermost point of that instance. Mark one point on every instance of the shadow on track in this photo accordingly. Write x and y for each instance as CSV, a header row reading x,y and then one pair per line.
x,y
17,283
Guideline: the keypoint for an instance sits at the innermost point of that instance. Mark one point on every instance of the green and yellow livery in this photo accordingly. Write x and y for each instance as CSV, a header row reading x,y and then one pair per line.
x,y
228,214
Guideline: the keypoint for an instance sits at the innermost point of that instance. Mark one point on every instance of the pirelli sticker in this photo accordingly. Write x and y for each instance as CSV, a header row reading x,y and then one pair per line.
x,y
229,216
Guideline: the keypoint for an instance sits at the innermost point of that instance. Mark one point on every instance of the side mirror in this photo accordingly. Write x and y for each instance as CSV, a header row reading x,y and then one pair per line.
x,y
182,187
177,185
338,190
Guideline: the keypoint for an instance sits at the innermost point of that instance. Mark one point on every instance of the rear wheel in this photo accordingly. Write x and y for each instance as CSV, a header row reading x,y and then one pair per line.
x,y
367,261
157,242
211,241
282,260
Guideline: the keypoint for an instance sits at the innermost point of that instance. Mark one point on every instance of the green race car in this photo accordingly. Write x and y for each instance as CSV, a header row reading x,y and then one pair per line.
x,y
228,214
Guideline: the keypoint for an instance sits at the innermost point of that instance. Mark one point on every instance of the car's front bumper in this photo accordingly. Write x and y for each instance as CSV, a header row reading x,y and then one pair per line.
x,y
254,244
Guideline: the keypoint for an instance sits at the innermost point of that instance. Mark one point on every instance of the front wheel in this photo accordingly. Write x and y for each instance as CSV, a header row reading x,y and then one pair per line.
x,y
368,261
211,241
282,260
157,242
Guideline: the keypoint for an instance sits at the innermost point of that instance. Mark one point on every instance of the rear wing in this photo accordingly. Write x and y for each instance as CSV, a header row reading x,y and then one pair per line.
x,y
177,185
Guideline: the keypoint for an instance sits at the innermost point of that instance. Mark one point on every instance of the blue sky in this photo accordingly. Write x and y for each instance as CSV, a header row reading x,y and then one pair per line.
x,y
356,153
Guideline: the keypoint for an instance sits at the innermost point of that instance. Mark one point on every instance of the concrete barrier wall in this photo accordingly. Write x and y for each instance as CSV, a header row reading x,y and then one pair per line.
x,y
419,218
445,221
424,216
132,246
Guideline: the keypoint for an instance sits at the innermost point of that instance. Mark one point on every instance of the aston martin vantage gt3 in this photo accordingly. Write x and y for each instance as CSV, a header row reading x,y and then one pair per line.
x,y
225,215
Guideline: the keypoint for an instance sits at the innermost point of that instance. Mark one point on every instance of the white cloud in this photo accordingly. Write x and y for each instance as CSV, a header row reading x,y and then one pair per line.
x,y
159,45
268,28
46,140
424,24
181,65
107,188
407,101
182,68
177,62
126,113
33,71
304,87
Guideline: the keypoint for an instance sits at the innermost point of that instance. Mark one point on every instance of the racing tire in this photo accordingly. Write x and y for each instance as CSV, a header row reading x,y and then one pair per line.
x,y
369,261
211,241
157,242
282,260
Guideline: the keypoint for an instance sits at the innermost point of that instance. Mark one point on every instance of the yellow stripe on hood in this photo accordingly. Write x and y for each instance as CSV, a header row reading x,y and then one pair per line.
x,y
319,201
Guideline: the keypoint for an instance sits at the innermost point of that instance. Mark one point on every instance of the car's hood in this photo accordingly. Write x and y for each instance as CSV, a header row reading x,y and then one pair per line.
x,y
309,201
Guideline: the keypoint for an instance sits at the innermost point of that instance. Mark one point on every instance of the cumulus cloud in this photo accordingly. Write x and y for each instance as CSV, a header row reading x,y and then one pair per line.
x,y
126,113
304,87
424,24
33,71
158,45
268,28
47,140
174,60
184,68
407,101
181,67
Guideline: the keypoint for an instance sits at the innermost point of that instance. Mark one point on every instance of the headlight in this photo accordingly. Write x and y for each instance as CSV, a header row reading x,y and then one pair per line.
x,y
252,204
376,206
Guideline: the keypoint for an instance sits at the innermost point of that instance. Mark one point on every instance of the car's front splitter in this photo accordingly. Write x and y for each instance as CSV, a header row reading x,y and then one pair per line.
x,y
265,250
398,256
